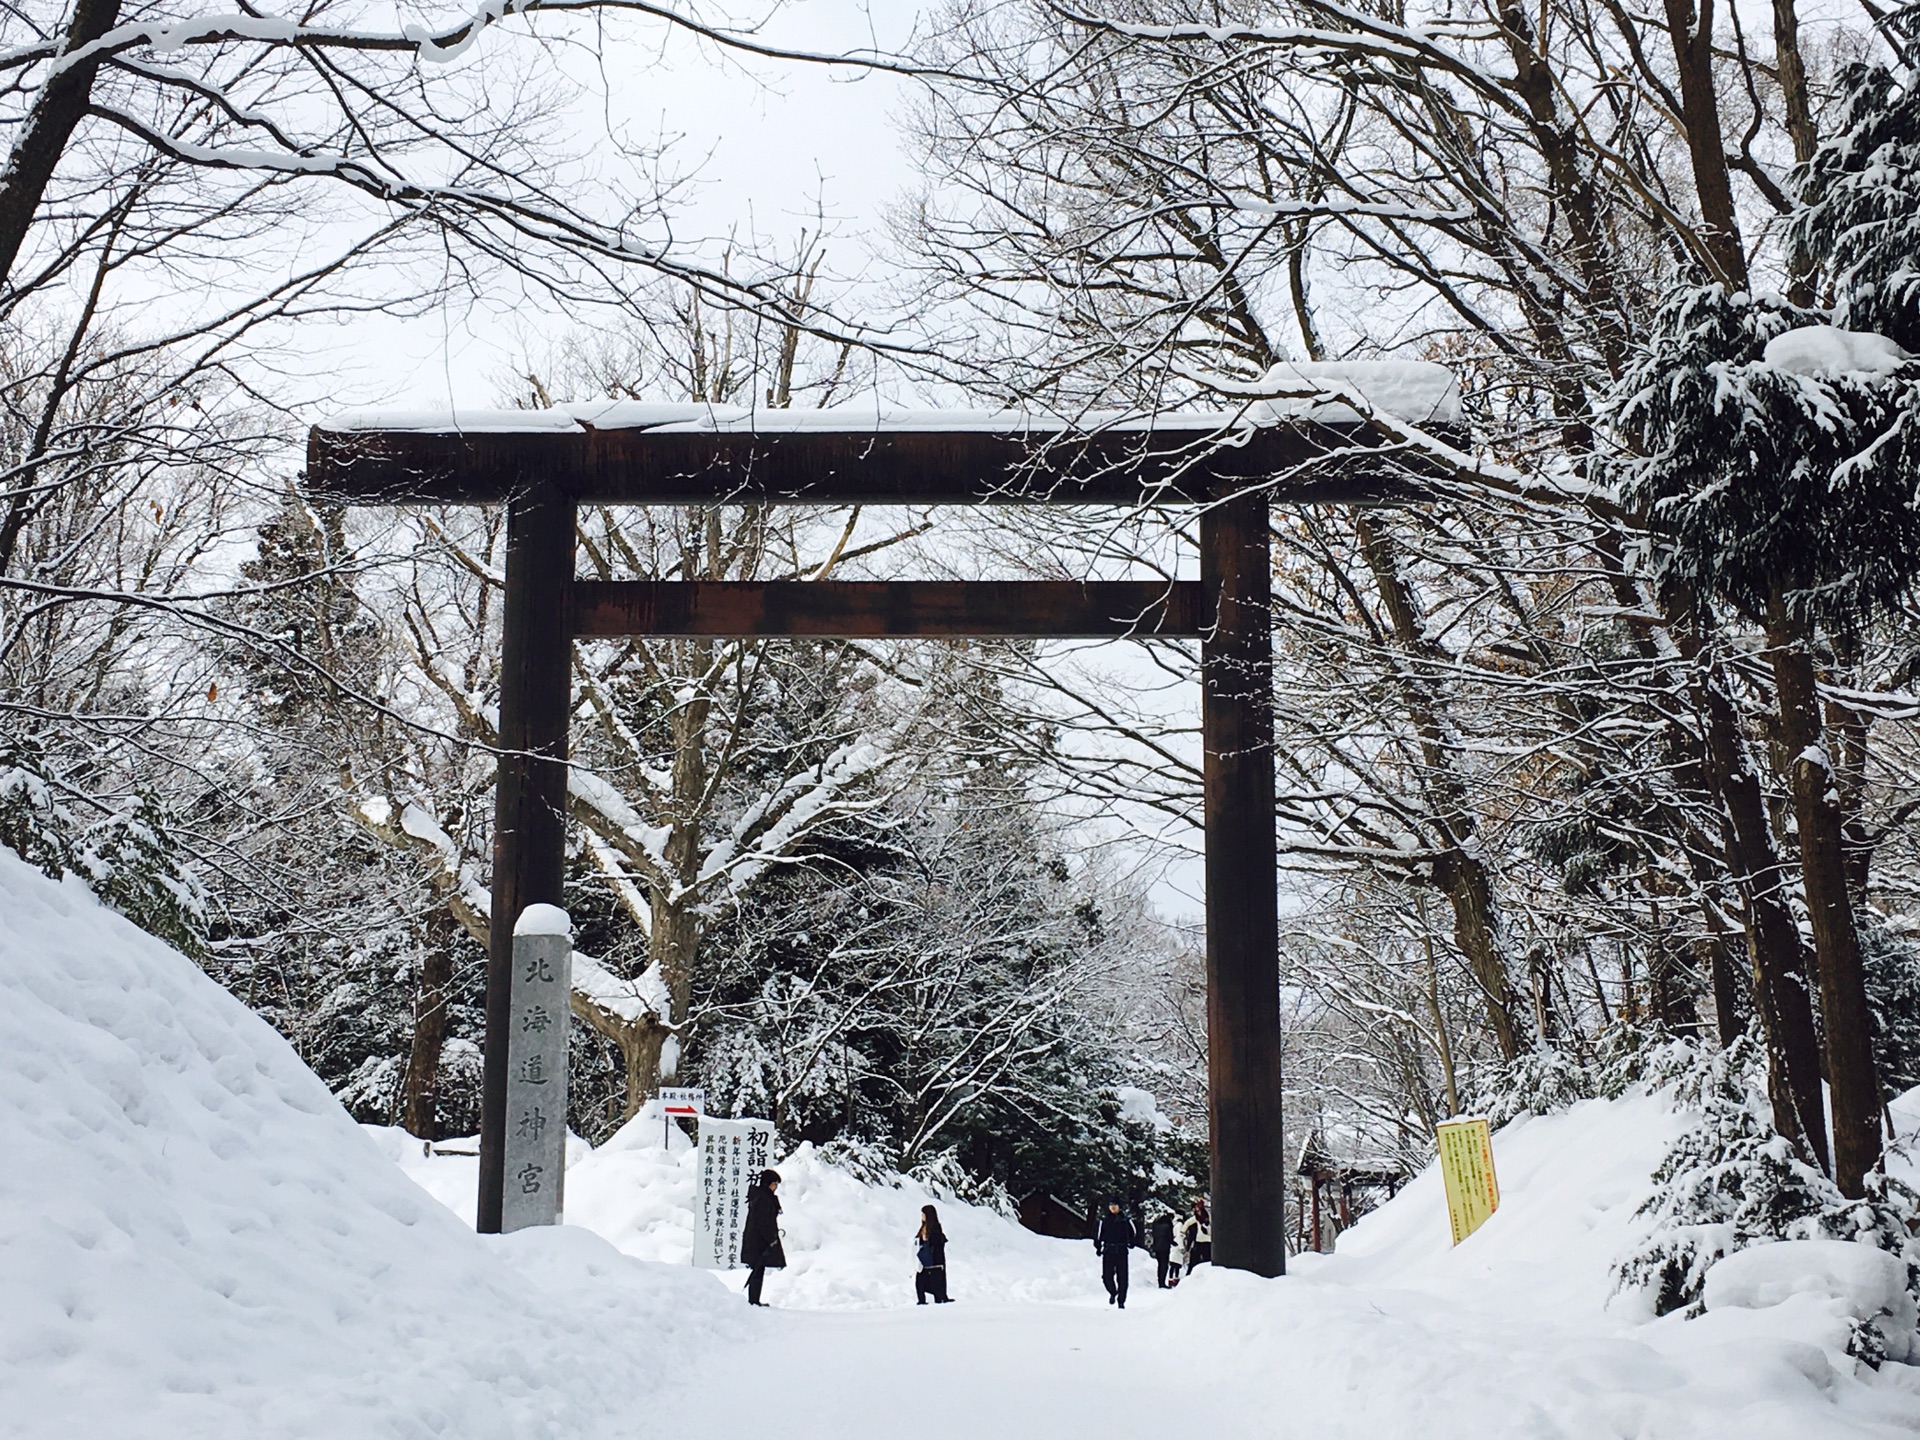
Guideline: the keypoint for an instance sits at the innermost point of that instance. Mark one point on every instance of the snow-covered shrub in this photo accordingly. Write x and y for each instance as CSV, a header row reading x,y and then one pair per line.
x,y
1892,964
1651,1057
373,1089
947,1177
1871,1287
942,1175
374,1092
863,1159
133,865
1733,1181
1537,1081
33,823
1626,1056
458,1087
129,859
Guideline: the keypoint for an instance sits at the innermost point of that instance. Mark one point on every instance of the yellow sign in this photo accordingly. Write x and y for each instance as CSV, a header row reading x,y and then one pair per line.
x,y
1466,1165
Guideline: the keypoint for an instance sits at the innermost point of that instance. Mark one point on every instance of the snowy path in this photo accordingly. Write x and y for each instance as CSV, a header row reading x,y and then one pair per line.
x,y
1232,1357
1060,1370
1399,1335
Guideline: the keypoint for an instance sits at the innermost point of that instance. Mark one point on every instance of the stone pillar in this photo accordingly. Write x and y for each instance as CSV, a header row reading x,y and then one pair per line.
x,y
535,1144
530,800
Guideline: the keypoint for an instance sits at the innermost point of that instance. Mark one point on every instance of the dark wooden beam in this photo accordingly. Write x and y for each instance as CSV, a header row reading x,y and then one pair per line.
x,y
530,796
875,609
1248,1142
1303,463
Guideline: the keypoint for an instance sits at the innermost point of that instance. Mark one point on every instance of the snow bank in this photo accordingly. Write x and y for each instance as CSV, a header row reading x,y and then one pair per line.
x,y
1516,1331
1855,1281
1867,1281
849,1243
195,1240
1399,1334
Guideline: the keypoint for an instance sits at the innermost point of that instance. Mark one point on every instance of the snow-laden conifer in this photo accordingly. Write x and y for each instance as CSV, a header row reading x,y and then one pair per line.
x,y
1764,471
1859,214
1731,1182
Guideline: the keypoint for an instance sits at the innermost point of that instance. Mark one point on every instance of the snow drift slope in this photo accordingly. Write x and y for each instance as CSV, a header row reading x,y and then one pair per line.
x,y
1517,1332
196,1240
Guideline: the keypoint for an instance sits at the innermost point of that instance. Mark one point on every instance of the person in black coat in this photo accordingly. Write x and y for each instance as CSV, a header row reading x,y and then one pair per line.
x,y
760,1237
1160,1242
1111,1242
930,1248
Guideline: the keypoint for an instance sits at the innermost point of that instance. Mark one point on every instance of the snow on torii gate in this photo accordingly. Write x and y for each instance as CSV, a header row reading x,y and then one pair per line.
x,y
542,464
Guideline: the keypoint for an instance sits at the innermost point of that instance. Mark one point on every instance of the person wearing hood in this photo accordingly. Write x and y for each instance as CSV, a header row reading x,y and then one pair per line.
x,y
1111,1242
1160,1242
760,1248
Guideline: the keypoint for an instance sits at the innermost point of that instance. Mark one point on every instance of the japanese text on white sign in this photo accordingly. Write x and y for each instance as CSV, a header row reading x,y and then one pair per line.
x,y
536,1140
732,1155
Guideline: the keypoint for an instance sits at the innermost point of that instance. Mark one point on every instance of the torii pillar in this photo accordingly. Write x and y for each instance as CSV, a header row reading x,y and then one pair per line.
x,y
1246,1148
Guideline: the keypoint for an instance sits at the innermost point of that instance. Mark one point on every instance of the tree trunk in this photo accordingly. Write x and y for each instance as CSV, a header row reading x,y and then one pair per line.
x,y
1823,875
1669,998
1459,872
50,124
1729,1020
676,946
420,1096
1791,68
1773,940
1441,1040
1540,977
1848,732
677,927
1691,31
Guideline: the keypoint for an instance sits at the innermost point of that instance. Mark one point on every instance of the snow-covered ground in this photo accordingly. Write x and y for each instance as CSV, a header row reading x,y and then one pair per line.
x,y
849,1244
196,1241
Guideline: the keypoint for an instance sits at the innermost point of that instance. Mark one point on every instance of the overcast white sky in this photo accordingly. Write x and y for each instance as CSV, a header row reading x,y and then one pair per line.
x,y
769,142
766,143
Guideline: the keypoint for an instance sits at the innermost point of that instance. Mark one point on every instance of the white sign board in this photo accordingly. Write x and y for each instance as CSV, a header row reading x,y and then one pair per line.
x,y
732,1155
536,1139
685,1100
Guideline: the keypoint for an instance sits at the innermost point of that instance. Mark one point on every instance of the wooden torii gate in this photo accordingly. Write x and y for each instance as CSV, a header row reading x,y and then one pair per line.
x,y
543,464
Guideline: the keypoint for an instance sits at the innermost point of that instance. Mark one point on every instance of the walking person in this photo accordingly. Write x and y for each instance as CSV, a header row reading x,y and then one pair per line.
x,y
1160,1242
760,1246
1196,1236
1111,1242
930,1249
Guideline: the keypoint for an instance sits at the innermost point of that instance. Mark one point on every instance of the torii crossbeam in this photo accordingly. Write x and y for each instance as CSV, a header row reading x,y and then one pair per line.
x,y
542,464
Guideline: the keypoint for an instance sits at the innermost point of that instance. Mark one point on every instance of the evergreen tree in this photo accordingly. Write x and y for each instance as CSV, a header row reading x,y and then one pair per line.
x,y
1774,457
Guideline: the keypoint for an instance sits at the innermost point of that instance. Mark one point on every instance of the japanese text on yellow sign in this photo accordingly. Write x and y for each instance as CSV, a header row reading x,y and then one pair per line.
x,y
1466,1165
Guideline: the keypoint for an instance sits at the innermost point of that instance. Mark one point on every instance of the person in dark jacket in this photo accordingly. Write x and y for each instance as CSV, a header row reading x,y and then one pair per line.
x,y
930,1249
1111,1242
1160,1242
760,1237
